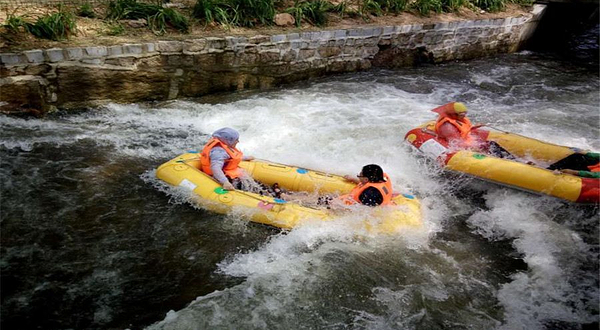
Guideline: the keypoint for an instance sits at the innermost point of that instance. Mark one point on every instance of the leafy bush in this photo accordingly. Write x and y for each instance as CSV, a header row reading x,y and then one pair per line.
x,y
86,10
245,13
489,5
341,8
370,7
130,9
314,11
206,10
158,17
526,3
15,23
424,7
393,6
55,26
453,5
211,11
115,29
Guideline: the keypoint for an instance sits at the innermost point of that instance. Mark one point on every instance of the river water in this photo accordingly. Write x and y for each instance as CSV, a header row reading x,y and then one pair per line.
x,y
91,240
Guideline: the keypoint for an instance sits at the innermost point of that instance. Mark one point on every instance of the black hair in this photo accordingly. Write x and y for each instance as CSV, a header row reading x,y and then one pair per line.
x,y
373,172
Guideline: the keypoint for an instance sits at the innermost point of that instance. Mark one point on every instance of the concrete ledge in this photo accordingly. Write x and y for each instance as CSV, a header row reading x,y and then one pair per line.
x,y
80,76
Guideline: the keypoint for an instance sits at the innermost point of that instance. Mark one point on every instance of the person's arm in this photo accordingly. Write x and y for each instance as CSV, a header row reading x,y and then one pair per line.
x,y
583,174
352,179
218,156
371,197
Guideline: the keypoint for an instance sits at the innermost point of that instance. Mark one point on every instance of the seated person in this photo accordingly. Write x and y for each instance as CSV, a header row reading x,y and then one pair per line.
x,y
220,159
455,128
581,164
373,187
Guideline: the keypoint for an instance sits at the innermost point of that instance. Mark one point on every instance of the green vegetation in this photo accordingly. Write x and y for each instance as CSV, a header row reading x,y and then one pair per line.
x,y
158,17
86,10
243,13
15,23
315,11
454,5
114,29
247,13
393,6
369,7
56,26
490,5
424,7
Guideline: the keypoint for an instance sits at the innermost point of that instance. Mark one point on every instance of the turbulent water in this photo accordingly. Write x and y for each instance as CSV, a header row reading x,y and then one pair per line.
x,y
91,239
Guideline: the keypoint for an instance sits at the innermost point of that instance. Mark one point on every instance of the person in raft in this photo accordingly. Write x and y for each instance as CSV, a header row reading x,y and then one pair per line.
x,y
454,127
585,165
220,159
373,187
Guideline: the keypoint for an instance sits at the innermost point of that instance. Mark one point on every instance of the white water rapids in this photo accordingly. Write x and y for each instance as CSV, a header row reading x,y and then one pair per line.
x,y
488,257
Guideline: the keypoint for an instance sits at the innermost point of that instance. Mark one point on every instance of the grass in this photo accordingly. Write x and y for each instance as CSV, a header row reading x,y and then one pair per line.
x,y
393,6
114,29
313,11
370,7
243,13
158,18
425,7
246,13
56,26
86,10
454,5
15,23
490,5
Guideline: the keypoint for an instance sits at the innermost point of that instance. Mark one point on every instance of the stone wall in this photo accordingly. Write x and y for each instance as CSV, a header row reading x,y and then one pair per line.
x,y
38,81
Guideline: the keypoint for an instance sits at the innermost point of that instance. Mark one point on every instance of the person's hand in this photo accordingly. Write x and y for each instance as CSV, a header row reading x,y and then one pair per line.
x,y
348,177
228,186
249,158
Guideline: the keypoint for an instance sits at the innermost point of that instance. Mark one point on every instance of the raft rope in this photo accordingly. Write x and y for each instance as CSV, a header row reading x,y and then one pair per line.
x,y
302,168
248,194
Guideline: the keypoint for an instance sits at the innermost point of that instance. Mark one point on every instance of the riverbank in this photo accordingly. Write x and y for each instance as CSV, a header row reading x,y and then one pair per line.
x,y
95,31
90,71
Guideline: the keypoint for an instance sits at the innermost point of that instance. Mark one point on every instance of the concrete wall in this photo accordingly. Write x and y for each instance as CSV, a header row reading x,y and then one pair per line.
x,y
38,81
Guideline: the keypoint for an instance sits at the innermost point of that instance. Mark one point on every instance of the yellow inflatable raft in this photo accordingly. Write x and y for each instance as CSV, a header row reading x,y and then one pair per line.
x,y
183,171
509,172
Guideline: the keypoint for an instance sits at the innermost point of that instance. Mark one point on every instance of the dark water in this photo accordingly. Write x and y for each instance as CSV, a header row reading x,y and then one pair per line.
x,y
91,240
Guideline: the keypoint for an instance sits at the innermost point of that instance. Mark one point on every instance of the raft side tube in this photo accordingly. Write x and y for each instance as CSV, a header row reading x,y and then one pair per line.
x,y
183,171
296,179
523,147
517,174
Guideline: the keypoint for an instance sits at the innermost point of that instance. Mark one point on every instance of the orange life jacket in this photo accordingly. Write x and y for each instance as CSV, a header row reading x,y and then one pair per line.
x,y
463,125
231,168
594,168
385,188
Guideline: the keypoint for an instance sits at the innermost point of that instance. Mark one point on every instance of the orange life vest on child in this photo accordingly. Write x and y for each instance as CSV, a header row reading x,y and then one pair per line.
x,y
446,115
463,125
385,188
231,168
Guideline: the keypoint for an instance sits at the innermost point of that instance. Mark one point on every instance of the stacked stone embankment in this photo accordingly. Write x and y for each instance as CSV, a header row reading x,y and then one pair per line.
x,y
39,81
